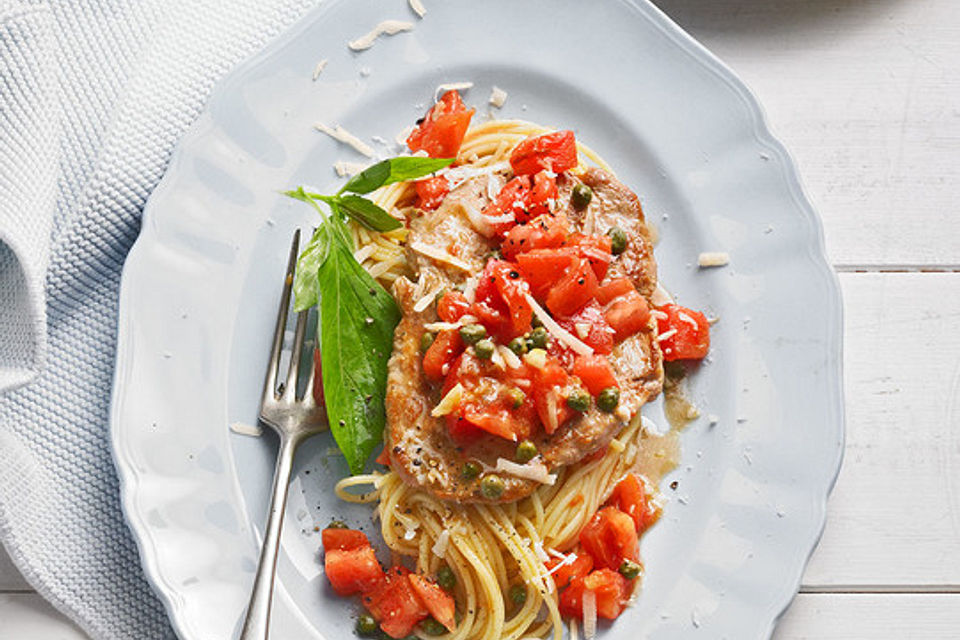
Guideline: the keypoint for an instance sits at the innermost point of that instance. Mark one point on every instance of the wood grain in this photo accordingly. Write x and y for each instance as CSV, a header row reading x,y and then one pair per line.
x,y
871,617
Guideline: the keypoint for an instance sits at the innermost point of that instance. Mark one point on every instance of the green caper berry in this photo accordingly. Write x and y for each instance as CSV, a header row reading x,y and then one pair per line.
x,y
491,486
526,451
432,628
581,196
618,240
426,340
518,346
608,399
337,524
470,470
517,594
630,569
538,338
366,625
446,578
473,333
484,349
579,400
536,322
516,397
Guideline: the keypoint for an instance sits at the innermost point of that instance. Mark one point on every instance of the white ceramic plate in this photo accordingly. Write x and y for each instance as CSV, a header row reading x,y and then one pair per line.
x,y
200,288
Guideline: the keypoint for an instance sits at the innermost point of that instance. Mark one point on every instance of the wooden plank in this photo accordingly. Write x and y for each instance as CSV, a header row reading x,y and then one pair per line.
x,y
894,517
27,615
10,578
865,95
871,617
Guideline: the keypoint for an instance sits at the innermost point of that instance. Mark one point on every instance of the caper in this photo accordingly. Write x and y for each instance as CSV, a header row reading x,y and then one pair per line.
x,y
517,594
516,397
526,451
536,322
538,339
491,486
473,333
618,240
426,340
484,349
608,399
470,470
579,400
518,346
581,196
337,524
432,628
446,578
630,569
366,625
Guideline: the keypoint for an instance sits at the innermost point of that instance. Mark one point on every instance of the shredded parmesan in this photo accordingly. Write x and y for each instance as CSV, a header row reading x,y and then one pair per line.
x,y
659,315
538,549
536,471
617,446
556,330
713,259
536,358
686,318
666,335
583,329
497,97
440,255
440,546
450,86
401,138
458,175
317,70
254,430
552,418
427,299
345,169
509,357
450,401
589,614
573,629
443,326
660,297
418,8
340,134
385,28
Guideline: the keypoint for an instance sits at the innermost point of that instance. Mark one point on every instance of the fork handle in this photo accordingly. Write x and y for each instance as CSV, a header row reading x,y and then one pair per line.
x,y
257,622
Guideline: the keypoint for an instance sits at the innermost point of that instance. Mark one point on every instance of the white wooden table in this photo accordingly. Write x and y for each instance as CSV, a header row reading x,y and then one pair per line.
x,y
866,94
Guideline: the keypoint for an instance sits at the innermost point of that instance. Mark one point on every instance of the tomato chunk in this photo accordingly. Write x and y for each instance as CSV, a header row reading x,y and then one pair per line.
x,y
614,289
572,292
550,395
556,152
444,350
568,572
431,192
599,334
691,340
542,268
452,306
610,537
501,305
496,420
609,587
595,372
438,602
394,603
627,315
543,232
630,496
353,570
343,539
440,132
594,249
542,193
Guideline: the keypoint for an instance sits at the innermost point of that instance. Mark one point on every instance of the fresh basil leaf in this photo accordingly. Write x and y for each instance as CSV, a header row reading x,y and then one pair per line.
x,y
394,170
367,213
357,319
306,286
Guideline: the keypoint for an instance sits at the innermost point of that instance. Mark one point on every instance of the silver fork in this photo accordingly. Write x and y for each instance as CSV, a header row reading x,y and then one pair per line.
x,y
294,419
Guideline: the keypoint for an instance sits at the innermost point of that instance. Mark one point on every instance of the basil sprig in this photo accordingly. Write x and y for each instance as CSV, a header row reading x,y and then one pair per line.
x,y
356,315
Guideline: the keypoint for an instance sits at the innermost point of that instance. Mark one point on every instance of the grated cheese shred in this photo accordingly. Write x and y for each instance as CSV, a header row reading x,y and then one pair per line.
x,y
533,470
556,330
385,28
440,255
340,134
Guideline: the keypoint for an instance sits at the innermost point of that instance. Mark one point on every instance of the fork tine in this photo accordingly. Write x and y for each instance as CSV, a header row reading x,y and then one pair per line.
x,y
309,400
290,388
270,384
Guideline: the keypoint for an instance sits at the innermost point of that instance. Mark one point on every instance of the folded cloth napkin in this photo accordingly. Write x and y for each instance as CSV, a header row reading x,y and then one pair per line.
x,y
93,96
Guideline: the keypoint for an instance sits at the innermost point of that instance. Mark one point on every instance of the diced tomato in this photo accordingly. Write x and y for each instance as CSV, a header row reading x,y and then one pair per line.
x,y
595,372
395,604
440,132
352,571
542,268
452,306
542,193
444,350
556,152
567,572
549,395
543,232
610,537
343,539
595,249
610,589
500,302
383,458
572,292
692,338
461,430
503,211
628,315
438,602
630,496
599,334
616,288
496,420
431,192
